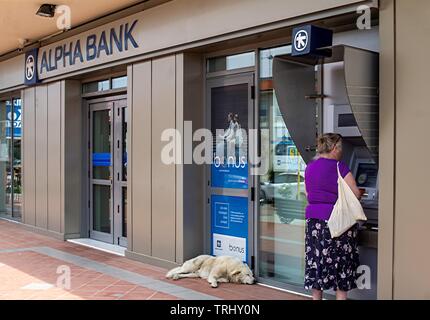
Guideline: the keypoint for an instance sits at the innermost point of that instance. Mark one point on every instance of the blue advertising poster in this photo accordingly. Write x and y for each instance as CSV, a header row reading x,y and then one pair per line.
x,y
13,119
229,226
233,176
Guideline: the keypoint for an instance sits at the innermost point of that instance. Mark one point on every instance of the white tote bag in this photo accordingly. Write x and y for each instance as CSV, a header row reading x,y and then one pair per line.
x,y
347,209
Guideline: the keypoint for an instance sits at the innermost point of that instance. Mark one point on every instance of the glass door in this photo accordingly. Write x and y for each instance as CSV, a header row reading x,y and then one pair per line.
x,y
10,159
230,115
281,190
108,159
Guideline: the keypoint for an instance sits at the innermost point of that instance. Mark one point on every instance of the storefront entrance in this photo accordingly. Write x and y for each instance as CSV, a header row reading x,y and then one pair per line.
x,y
230,106
108,170
274,197
10,159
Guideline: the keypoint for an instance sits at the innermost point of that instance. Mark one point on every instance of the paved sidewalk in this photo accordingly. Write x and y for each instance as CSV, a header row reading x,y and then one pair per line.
x,y
33,266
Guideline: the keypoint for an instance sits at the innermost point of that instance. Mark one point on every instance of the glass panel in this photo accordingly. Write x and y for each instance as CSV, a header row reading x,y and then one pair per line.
x,y
102,159
282,190
120,82
232,62
124,212
95,86
17,164
101,208
229,116
5,159
124,143
266,60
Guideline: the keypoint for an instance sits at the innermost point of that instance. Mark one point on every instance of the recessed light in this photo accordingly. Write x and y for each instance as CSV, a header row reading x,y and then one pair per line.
x,y
46,10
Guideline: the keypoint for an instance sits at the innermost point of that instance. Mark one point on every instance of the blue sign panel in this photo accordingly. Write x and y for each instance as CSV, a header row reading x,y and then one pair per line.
x,y
13,116
233,175
102,159
30,68
229,226
308,39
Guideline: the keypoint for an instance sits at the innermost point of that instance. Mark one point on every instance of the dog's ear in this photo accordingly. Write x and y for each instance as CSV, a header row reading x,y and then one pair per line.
x,y
235,272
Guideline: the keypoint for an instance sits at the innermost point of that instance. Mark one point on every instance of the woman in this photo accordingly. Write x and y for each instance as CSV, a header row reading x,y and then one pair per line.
x,y
330,263
223,141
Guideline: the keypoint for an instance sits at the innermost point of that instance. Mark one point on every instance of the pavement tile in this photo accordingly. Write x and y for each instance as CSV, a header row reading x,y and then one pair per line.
x,y
21,267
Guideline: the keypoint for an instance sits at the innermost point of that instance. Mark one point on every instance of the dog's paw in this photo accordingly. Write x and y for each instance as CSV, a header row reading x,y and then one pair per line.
x,y
214,285
175,277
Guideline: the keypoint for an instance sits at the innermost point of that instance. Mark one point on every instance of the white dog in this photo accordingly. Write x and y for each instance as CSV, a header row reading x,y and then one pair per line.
x,y
214,269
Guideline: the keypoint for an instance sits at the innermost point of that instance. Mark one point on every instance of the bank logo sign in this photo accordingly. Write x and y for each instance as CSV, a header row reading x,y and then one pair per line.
x,y
310,39
301,40
111,42
30,68
225,245
92,47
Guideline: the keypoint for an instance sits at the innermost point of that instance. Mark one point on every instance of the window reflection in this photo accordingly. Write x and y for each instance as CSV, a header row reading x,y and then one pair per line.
x,y
232,62
282,190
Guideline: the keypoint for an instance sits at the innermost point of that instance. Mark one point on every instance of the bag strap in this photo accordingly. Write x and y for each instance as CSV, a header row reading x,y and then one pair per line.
x,y
338,171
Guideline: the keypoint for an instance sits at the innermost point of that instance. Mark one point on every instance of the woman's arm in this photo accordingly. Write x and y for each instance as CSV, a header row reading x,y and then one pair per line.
x,y
349,179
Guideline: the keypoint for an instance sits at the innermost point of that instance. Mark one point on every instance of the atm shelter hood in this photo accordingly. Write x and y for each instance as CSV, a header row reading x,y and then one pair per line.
x,y
296,91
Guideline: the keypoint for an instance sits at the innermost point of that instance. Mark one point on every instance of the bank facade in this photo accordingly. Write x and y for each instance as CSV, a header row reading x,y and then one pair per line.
x,y
81,155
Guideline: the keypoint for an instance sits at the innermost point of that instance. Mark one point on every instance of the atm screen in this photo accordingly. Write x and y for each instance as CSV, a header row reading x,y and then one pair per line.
x,y
346,120
367,175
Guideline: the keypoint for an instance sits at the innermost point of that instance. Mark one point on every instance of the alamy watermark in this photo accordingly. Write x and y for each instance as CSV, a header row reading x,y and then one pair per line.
x,y
230,147
364,21
64,19
64,280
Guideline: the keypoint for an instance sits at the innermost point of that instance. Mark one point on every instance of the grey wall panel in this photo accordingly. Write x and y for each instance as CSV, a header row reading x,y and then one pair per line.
x,y
129,213
411,219
29,156
192,192
179,212
163,182
42,156
141,158
54,157
12,72
72,158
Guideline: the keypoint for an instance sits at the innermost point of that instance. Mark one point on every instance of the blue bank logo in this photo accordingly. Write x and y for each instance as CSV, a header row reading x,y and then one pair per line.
x,y
30,68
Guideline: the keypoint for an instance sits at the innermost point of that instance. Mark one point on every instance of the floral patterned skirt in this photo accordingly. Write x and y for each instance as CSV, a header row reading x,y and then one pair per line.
x,y
330,263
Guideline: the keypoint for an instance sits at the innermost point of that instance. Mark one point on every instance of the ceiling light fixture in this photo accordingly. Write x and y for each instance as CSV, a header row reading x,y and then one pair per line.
x,y
46,10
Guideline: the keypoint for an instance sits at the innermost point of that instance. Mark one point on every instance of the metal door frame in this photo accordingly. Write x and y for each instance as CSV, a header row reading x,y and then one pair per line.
x,y
118,184
221,81
114,104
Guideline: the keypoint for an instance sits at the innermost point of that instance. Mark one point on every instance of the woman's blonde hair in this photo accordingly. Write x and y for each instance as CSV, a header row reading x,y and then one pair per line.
x,y
327,141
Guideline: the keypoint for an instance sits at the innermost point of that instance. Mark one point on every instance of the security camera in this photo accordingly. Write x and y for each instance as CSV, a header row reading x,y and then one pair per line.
x,y
22,43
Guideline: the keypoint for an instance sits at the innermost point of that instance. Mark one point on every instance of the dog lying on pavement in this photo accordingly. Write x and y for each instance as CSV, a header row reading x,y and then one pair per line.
x,y
214,269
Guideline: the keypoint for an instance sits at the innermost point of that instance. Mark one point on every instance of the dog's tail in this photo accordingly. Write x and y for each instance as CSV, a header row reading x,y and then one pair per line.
x,y
172,272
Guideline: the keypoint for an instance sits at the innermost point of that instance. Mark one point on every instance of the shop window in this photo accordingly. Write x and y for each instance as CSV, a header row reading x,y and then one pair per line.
x,y
266,60
105,84
282,193
96,86
119,82
232,62
10,159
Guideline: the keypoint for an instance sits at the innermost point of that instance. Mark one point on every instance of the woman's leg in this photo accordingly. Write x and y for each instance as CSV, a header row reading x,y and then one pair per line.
x,y
317,294
341,295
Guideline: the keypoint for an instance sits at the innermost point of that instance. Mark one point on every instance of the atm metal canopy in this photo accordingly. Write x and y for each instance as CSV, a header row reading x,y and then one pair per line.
x,y
294,80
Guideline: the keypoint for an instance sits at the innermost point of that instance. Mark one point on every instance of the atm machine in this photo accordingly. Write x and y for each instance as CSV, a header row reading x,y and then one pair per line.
x,y
337,91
